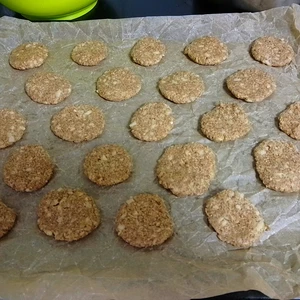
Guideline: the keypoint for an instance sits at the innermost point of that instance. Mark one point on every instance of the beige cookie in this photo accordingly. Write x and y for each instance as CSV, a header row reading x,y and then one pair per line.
x,y
108,165
148,51
144,221
226,122
68,214
47,88
152,122
289,121
181,87
207,50
7,219
235,219
78,123
272,51
251,85
89,53
278,165
186,169
12,127
118,84
28,169
28,56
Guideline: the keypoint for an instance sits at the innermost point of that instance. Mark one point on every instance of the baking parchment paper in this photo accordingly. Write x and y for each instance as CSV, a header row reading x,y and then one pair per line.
x,y
194,263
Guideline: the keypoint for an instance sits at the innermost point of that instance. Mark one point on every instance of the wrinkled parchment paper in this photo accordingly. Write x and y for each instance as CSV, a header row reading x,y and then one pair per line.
x,y
194,263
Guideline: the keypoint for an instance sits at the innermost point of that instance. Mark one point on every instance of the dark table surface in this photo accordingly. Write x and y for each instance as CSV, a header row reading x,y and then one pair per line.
x,y
115,9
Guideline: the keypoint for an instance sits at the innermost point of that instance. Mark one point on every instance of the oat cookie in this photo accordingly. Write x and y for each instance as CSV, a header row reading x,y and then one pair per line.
x,y
181,87
152,122
118,84
144,221
28,56
108,165
272,51
278,165
289,121
7,219
12,127
207,50
89,53
226,122
186,169
148,51
47,88
28,169
78,123
68,214
251,85
235,219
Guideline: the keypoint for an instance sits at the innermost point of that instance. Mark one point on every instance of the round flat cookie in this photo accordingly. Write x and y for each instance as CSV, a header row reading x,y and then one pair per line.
x,y
78,123
289,121
68,215
7,219
28,56
118,84
207,50
144,221
235,219
251,85
278,165
12,127
181,87
148,51
28,169
226,122
272,51
186,169
47,88
108,165
89,53
152,122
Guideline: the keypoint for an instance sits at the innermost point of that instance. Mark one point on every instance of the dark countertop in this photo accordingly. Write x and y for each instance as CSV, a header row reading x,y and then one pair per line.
x,y
114,9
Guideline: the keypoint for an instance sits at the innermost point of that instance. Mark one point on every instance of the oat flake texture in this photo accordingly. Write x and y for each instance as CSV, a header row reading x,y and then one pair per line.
x,y
144,221
234,218
68,214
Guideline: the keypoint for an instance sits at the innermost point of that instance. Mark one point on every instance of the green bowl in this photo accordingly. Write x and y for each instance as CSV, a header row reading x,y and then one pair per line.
x,y
50,9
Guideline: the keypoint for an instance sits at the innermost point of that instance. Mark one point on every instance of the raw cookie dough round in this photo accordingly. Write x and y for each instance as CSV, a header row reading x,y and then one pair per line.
x,y
28,169
148,51
272,51
144,221
181,87
12,127
251,85
152,122
78,123
7,219
278,165
235,219
186,169
89,53
28,56
47,88
289,121
68,215
207,50
118,84
226,122
108,165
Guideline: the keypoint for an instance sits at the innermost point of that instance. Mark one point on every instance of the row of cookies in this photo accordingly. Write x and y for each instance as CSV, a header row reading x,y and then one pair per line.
x,y
151,122
143,221
119,84
148,51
